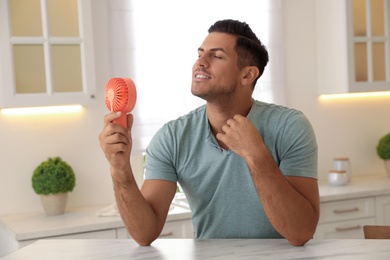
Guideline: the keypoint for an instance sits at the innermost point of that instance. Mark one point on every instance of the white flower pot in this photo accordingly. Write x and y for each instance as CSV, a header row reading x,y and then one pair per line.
x,y
54,204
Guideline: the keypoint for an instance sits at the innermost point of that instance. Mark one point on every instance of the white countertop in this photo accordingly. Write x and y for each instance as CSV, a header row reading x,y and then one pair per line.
x,y
38,225
224,249
358,187
76,220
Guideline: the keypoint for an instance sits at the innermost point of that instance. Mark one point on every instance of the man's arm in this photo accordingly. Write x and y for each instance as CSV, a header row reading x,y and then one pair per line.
x,y
143,213
291,203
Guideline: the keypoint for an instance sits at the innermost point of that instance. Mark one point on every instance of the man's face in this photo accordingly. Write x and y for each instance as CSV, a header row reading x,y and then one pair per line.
x,y
215,74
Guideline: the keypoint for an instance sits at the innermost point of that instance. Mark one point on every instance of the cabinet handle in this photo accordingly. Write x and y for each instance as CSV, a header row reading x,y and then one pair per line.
x,y
341,211
166,234
348,228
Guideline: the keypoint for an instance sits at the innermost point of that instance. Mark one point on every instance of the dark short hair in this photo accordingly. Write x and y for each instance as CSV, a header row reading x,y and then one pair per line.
x,y
249,48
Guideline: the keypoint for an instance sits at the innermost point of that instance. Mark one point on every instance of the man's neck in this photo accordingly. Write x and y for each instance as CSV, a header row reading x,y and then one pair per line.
x,y
218,114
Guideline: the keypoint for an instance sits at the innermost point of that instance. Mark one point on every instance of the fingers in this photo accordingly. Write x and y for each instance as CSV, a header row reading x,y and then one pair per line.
x,y
110,117
233,129
114,137
130,120
233,123
237,119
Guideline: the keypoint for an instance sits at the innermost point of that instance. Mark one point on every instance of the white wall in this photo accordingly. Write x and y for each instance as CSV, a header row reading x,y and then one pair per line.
x,y
346,127
27,141
349,128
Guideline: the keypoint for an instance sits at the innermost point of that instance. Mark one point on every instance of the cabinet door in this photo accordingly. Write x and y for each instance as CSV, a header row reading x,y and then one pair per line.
x,y
344,229
368,45
172,229
102,234
46,51
344,210
121,233
178,229
352,45
383,210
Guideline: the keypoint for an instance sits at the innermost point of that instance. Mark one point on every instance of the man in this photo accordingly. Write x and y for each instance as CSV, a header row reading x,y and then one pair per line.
x,y
248,168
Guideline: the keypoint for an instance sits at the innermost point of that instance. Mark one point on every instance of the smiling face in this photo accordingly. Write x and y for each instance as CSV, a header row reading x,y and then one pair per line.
x,y
215,75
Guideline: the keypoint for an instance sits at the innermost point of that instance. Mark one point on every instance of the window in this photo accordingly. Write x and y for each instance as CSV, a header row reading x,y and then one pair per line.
x,y
47,52
155,43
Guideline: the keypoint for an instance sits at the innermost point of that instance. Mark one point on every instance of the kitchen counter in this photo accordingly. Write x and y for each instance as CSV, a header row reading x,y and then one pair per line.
x,y
19,230
75,220
188,249
359,187
37,225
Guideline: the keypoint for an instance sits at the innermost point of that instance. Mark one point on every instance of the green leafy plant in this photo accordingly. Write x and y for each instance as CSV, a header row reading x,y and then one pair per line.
x,y
383,147
53,176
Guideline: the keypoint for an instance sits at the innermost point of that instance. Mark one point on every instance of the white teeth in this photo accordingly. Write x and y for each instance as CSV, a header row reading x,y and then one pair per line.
x,y
201,76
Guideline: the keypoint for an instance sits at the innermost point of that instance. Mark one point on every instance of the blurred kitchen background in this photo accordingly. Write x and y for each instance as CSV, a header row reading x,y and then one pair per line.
x,y
155,43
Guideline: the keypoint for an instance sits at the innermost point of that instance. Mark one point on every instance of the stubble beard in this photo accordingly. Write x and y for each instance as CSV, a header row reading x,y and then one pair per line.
x,y
215,93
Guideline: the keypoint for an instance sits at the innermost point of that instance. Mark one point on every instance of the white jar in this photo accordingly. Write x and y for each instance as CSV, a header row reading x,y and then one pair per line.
x,y
337,178
343,164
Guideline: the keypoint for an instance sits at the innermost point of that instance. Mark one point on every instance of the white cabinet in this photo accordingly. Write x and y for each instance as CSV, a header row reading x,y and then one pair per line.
x,y
349,229
19,230
172,229
352,44
46,51
101,234
383,209
345,218
178,229
345,210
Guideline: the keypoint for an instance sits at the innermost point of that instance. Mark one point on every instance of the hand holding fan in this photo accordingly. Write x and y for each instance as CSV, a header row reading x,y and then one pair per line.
x,y
121,95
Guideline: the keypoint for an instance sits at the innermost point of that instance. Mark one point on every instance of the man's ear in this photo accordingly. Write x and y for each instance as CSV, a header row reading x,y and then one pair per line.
x,y
249,75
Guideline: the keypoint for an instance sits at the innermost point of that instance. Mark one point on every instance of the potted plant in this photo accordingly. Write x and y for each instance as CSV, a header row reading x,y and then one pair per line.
x,y
53,179
383,150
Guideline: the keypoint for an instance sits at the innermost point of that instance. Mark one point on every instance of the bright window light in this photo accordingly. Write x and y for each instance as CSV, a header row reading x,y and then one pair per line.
x,y
53,110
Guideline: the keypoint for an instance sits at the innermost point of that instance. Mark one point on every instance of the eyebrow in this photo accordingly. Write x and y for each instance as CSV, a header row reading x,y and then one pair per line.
x,y
213,49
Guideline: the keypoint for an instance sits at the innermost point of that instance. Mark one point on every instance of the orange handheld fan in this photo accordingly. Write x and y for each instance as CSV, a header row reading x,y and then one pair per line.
x,y
121,95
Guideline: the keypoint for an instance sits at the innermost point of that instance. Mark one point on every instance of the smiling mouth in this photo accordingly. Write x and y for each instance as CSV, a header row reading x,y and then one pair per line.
x,y
200,76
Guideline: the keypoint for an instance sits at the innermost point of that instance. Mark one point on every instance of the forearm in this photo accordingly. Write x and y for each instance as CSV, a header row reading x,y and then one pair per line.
x,y
137,215
290,212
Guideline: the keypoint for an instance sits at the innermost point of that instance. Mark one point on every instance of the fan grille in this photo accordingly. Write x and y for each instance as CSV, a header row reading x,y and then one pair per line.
x,y
116,94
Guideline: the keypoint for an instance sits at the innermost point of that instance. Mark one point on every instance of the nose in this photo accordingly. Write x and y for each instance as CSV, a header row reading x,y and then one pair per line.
x,y
201,62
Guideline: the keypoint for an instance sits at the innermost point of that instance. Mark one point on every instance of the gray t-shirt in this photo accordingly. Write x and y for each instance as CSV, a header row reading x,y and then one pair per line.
x,y
218,185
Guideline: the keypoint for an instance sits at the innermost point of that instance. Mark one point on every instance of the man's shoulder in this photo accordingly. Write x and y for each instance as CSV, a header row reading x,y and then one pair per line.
x,y
274,110
189,118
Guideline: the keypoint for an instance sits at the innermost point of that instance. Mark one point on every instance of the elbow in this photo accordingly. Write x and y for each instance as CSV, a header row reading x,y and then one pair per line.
x,y
298,241
301,236
144,241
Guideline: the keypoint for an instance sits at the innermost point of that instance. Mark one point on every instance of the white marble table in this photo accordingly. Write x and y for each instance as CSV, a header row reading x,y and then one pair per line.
x,y
188,249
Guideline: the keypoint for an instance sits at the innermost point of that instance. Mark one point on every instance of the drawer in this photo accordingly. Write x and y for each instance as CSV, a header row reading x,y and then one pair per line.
x,y
101,234
178,229
172,229
350,229
347,209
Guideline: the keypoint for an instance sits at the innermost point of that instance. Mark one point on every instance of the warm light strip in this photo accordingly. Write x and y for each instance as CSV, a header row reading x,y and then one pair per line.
x,y
355,95
54,110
